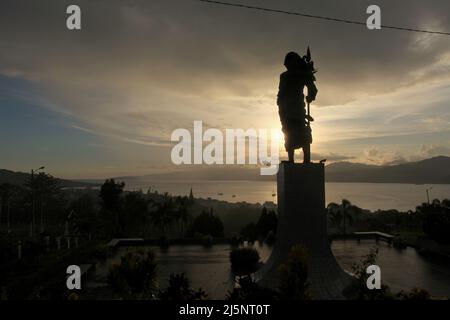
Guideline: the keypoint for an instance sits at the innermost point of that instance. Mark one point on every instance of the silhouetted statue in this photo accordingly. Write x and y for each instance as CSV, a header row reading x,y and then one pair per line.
x,y
291,105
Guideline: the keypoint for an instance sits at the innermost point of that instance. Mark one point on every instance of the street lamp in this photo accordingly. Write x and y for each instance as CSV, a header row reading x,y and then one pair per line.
x,y
33,220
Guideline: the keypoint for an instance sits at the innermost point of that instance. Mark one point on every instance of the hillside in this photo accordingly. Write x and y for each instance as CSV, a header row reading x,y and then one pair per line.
x,y
21,178
435,170
432,171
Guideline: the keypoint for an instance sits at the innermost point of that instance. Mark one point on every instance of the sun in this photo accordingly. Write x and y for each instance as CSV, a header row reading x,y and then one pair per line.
x,y
279,136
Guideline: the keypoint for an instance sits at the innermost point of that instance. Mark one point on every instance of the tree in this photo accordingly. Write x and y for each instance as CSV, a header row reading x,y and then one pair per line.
x,y
134,212
342,214
85,219
436,220
182,212
267,222
334,214
191,197
207,223
13,204
46,196
165,213
6,194
110,194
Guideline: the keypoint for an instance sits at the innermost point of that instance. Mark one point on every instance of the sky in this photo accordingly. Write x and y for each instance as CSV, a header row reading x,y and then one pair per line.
x,y
103,101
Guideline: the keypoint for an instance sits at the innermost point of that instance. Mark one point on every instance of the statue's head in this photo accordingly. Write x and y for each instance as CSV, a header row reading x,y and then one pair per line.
x,y
292,60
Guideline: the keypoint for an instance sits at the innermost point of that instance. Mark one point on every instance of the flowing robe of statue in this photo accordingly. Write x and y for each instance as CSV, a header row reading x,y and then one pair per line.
x,y
291,105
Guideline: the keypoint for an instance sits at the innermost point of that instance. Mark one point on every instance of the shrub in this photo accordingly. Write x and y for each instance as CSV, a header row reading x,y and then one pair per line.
x,y
207,240
267,223
249,290
294,275
207,223
435,218
250,232
437,227
179,289
358,290
244,261
414,294
164,242
135,276
101,252
235,240
270,238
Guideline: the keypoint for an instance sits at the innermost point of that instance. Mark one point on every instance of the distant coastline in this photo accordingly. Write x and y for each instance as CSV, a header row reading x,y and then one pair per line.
x,y
429,171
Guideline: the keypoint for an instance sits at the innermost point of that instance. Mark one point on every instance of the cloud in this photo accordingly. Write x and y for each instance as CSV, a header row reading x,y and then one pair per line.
x,y
403,112
388,157
140,69
434,150
330,157
375,156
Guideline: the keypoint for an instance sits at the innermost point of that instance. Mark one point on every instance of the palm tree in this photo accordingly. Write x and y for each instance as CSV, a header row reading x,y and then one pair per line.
x,y
7,194
335,214
182,213
48,191
147,218
163,217
346,213
341,213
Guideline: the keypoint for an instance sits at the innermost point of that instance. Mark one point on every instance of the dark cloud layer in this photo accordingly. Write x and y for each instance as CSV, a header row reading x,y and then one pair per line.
x,y
189,46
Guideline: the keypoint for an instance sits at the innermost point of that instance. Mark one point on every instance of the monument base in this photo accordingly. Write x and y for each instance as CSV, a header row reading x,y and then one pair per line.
x,y
302,221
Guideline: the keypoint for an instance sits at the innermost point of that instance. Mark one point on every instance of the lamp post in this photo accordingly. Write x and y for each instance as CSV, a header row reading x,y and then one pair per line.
x,y
33,218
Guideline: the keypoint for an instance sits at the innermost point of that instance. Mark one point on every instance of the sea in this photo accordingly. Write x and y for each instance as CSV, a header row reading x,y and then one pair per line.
x,y
371,196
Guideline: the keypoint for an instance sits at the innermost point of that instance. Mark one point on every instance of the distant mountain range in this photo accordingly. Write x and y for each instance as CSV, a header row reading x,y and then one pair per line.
x,y
435,170
431,171
21,178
